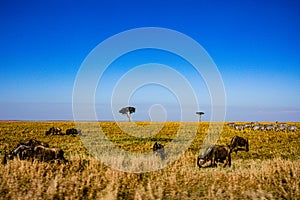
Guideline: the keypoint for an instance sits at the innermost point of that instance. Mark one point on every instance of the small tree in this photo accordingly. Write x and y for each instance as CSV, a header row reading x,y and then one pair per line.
x,y
127,111
200,114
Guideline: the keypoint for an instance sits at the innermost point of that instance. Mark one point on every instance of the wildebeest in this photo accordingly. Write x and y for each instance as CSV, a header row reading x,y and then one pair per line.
x,y
239,144
46,154
23,152
73,132
54,131
34,150
214,154
159,149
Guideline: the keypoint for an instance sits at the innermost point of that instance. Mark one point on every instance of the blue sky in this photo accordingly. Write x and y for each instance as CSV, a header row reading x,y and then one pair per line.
x,y
255,45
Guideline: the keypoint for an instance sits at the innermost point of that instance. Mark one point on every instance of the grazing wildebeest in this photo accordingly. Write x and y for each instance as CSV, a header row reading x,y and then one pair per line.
x,y
73,132
214,154
54,131
23,152
159,149
46,154
239,144
292,128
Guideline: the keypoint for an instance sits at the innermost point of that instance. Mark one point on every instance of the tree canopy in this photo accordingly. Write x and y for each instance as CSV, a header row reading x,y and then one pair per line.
x,y
127,111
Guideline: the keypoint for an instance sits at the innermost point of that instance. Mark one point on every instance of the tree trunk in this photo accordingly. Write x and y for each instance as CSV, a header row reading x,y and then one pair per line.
x,y
128,116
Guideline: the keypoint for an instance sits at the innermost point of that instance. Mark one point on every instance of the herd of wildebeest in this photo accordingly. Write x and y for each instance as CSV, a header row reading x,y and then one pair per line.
x,y
35,150
40,151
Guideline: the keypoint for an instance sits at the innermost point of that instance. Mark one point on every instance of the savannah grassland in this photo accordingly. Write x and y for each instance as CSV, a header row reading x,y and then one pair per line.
x,y
270,170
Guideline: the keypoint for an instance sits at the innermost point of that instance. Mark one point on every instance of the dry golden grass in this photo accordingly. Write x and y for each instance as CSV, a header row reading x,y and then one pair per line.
x,y
270,170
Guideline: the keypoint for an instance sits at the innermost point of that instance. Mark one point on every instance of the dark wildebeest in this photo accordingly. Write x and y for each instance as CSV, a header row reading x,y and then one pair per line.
x,y
24,150
46,154
73,132
239,144
214,154
54,131
159,149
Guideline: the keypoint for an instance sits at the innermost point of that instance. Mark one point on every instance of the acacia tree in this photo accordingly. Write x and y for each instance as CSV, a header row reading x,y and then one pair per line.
x,y
200,114
127,111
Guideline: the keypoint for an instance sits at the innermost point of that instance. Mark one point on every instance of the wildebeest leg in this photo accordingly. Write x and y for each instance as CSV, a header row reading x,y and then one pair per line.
x,y
247,146
4,161
213,161
236,150
227,161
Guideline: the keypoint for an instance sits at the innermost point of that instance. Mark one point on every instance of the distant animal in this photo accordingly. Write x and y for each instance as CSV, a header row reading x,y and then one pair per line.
x,y
281,127
28,151
22,152
54,131
256,127
215,154
230,124
239,127
249,125
270,127
159,149
73,132
292,128
46,154
239,144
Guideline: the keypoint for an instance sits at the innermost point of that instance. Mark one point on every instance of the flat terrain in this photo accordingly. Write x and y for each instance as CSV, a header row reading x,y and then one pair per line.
x,y
270,170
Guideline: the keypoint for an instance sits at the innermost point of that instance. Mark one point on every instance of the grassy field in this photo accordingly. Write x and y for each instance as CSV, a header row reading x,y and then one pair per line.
x,y
270,170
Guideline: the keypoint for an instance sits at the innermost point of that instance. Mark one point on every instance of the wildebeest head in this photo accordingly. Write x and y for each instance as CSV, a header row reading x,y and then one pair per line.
x,y
205,157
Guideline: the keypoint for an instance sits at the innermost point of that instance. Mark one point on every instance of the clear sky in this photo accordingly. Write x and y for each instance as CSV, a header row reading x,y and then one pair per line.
x,y
255,45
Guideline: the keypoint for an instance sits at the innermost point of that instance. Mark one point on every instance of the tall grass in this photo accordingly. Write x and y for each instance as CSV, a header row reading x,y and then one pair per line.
x,y
270,170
